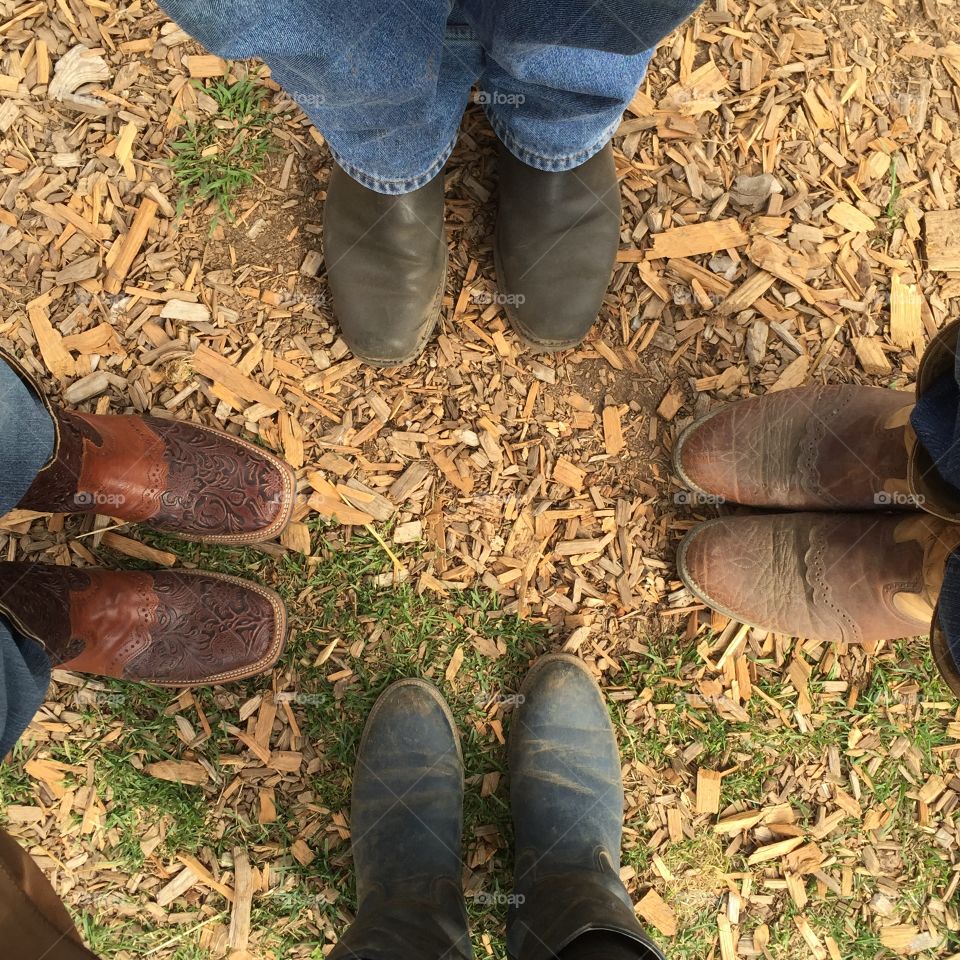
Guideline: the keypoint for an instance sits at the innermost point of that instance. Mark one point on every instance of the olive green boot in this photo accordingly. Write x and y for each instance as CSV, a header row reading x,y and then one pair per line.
x,y
386,258
556,244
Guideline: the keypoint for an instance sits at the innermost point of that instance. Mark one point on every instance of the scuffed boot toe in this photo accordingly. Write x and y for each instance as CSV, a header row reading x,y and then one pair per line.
x,y
834,577
386,258
556,244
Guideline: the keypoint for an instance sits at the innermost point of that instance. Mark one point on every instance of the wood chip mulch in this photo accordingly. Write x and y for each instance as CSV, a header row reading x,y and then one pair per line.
x,y
790,179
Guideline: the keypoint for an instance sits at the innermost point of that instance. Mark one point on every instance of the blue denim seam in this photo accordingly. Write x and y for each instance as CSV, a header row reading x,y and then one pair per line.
x,y
540,162
394,187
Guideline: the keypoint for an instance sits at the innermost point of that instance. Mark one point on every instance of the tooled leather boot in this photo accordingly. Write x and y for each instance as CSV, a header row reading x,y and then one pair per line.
x,y
405,822
167,627
556,244
184,478
852,577
837,447
386,259
566,795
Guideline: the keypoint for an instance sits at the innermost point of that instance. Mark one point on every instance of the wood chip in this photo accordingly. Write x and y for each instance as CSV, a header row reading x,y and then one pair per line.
x,y
56,358
125,249
871,356
138,550
850,218
657,912
613,431
906,324
697,238
178,771
708,791
210,364
242,900
943,239
569,474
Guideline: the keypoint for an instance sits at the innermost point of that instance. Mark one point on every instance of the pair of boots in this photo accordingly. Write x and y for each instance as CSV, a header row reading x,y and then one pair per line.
x,y
556,243
862,554
168,627
567,801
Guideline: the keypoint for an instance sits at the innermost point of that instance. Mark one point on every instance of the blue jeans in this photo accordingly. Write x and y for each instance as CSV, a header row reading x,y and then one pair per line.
x,y
26,444
386,83
936,421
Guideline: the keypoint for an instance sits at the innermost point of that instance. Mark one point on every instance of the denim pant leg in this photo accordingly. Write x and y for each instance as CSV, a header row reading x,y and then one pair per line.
x,y
555,107
26,444
936,421
24,678
26,437
560,75
386,83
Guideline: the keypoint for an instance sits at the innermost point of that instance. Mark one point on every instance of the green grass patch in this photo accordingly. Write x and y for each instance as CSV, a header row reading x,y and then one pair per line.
x,y
384,633
218,156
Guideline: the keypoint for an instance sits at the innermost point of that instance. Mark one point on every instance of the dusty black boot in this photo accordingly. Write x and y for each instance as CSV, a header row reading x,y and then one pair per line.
x,y
386,259
556,243
406,821
567,801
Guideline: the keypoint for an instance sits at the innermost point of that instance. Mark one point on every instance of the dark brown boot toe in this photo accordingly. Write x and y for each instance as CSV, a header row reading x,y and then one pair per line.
x,y
556,244
167,627
386,259
220,488
184,478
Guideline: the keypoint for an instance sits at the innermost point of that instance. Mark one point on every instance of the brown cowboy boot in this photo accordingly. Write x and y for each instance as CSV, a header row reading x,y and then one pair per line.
x,y
825,576
837,447
168,627
187,479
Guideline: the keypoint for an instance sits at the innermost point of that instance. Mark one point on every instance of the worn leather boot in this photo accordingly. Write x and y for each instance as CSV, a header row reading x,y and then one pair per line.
x,y
810,448
184,478
857,578
566,796
174,628
556,244
406,820
386,260
34,923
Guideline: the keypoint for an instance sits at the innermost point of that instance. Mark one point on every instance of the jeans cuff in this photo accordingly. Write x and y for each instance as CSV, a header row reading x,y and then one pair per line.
x,y
554,164
393,187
